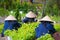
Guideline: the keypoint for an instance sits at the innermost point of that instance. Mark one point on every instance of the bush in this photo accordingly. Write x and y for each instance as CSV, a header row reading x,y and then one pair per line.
x,y
45,37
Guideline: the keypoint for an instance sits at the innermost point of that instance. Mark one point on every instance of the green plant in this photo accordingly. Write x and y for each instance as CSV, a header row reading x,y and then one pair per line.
x,y
57,27
52,8
45,37
4,12
55,18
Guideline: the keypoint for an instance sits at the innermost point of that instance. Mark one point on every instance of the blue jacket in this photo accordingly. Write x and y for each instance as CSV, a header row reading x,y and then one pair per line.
x,y
42,29
26,20
10,25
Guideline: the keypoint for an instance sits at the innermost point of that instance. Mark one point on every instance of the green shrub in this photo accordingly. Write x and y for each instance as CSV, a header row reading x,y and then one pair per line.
x,y
45,37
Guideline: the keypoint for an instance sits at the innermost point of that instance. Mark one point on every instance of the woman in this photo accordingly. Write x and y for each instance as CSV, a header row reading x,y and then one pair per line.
x,y
10,23
44,27
30,17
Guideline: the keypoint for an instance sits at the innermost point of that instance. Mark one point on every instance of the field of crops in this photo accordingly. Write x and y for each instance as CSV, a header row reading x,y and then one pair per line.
x,y
27,32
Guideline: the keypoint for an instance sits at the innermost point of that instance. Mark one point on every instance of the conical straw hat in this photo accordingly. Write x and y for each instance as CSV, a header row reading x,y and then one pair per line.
x,y
31,15
46,18
10,18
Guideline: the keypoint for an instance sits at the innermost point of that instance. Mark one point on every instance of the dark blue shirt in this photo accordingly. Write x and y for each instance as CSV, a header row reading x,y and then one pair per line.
x,y
10,25
26,20
43,29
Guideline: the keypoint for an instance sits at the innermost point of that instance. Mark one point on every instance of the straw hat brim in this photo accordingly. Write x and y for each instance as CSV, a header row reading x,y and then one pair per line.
x,y
10,18
46,18
31,15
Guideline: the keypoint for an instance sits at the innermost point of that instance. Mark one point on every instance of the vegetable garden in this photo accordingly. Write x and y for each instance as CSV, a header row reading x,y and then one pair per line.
x,y
27,32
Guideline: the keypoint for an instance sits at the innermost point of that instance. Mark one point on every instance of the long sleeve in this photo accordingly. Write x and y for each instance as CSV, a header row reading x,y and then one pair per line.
x,y
51,29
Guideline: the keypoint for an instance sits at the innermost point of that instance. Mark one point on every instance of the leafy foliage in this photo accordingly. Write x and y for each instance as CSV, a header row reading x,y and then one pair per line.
x,y
4,12
45,37
27,7
57,27
52,8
